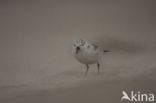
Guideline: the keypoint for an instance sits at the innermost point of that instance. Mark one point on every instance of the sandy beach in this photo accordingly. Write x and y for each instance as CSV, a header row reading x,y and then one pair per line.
x,y
99,91
36,63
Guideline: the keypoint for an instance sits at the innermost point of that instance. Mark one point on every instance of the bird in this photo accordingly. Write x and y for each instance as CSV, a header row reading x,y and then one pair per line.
x,y
88,53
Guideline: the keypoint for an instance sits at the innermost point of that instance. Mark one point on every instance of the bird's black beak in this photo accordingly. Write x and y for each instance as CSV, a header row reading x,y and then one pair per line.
x,y
77,49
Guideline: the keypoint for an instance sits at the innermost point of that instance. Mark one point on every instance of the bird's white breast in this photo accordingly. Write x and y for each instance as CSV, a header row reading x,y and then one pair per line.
x,y
87,56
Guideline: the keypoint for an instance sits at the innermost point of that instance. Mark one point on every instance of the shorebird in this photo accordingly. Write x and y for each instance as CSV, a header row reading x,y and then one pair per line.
x,y
87,53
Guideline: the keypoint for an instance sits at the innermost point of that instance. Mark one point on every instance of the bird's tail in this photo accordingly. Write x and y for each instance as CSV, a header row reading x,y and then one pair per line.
x,y
105,51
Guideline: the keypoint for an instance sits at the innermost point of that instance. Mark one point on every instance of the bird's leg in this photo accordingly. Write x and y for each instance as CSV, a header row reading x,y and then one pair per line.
x,y
87,69
98,66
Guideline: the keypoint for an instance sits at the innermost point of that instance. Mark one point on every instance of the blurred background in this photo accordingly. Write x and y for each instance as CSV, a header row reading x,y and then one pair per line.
x,y
36,38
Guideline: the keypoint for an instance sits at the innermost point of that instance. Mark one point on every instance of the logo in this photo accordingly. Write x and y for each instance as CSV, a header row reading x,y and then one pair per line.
x,y
137,97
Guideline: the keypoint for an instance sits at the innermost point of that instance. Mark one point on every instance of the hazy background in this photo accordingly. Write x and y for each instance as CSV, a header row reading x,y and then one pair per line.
x,y
36,38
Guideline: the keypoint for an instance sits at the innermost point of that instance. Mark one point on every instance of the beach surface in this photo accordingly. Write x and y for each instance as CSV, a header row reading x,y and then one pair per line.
x,y
36,62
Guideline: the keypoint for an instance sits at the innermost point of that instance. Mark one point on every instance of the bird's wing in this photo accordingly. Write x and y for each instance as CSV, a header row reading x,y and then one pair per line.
x,y
94,46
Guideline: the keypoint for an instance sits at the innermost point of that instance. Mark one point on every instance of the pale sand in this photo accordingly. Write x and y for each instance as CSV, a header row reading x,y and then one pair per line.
x,y
95,92
36,65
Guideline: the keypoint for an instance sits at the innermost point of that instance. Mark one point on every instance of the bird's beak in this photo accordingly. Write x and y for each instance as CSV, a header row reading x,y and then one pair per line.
x,y
77,49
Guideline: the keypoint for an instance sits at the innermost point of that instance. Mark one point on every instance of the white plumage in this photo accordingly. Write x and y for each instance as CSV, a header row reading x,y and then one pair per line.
x,y
87,53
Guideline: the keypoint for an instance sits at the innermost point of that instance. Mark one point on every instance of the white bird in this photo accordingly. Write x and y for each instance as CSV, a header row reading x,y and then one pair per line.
x,y
87,53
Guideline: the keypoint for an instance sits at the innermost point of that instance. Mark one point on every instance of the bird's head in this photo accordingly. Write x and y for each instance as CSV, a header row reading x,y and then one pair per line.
x,y
78,44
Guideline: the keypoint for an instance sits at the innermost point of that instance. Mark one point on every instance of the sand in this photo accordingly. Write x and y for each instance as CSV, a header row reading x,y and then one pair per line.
x,y
92,92
36,64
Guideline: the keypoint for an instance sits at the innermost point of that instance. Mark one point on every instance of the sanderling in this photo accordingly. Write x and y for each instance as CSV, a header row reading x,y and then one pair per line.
x,y
87,53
